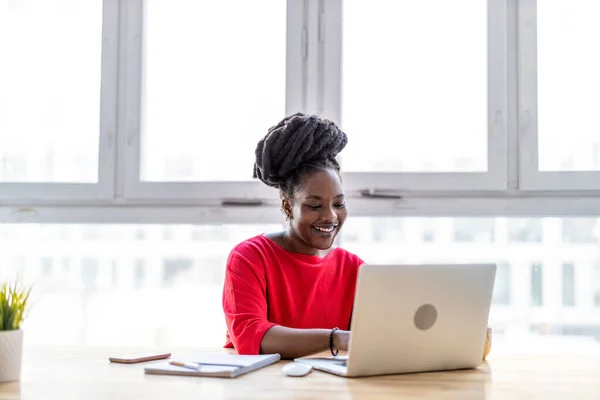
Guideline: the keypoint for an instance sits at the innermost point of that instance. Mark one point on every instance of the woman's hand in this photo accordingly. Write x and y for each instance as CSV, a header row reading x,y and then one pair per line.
x,y
341,340
488,342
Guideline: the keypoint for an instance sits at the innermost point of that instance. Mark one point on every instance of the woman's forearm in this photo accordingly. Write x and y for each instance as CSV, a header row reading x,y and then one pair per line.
x,y
294,343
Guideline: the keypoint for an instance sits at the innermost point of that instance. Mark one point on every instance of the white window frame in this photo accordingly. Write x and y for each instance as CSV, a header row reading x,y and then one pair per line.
x,y
511,187
496,176
104,188
530,177
132,56
314,35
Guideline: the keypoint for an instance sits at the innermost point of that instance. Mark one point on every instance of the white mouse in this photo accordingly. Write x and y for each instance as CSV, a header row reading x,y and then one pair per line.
x,y
296,369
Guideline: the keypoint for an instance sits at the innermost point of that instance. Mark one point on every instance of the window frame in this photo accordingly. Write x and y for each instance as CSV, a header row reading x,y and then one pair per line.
x,y
530,177
495,178
104,188
133,44
313,84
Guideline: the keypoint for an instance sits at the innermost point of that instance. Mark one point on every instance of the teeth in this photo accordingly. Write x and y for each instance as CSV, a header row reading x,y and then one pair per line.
x,y
323,229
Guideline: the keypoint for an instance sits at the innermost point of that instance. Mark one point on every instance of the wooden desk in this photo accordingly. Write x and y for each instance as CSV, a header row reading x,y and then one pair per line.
x,y
87,374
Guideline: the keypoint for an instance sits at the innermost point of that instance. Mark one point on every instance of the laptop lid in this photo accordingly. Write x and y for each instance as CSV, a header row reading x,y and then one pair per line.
x,y
414,318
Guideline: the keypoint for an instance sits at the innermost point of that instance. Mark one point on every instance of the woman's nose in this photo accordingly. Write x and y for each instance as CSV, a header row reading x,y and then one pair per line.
x,y
329,214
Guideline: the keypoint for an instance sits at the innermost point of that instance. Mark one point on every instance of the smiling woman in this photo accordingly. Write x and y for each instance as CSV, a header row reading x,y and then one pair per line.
x,y
297,156
316,214
288,292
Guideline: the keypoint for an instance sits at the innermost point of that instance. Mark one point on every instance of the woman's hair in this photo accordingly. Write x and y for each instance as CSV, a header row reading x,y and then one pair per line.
x,y
297,146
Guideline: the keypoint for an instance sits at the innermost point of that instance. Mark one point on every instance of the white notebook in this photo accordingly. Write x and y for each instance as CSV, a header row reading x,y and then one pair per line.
x,y
227,365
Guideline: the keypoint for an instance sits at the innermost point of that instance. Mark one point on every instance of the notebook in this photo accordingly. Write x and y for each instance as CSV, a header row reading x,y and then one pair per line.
x,y
236,365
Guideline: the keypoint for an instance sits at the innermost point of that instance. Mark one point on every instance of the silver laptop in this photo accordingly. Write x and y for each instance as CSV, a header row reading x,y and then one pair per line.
x,y
415,318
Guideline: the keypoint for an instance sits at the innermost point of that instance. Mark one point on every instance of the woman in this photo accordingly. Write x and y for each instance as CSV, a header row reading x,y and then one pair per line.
x,y
292,292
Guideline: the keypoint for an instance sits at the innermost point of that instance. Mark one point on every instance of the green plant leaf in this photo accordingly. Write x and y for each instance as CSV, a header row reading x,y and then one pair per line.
x,y
14,302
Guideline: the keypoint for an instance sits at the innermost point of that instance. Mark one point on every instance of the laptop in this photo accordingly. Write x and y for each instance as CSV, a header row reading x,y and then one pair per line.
x,y
415,318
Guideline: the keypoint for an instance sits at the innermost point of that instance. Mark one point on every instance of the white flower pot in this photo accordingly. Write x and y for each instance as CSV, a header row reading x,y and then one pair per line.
x,y
11,353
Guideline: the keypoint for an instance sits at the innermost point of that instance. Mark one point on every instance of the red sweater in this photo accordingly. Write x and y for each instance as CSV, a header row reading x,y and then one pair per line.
x,y
266,285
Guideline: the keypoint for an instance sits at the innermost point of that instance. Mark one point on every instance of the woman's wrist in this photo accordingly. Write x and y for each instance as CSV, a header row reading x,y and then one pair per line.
x,y
333,347
340,340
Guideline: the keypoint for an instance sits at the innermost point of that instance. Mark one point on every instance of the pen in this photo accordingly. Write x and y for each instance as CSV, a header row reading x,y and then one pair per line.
x,y
197,366
185,365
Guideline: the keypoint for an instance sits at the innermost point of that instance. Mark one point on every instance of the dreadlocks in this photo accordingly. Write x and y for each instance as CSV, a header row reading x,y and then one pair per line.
x,y
297,146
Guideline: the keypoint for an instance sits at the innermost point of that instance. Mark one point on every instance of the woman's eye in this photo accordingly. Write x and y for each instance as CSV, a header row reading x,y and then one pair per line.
x,y
313,207
342,205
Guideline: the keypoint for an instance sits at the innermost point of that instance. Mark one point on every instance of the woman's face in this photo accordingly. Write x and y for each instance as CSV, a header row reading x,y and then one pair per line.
x,y
318,212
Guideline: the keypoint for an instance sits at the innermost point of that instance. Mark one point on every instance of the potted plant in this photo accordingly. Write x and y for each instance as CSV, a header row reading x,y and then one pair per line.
x,y
13,306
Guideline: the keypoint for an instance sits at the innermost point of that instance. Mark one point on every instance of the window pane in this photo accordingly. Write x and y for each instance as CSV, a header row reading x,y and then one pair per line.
x,y
50,90
568,284
568,85
114,288
415,99
214,84
531,285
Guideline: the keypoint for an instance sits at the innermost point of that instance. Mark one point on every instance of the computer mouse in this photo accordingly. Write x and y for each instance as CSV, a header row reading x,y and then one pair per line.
x,y
296,369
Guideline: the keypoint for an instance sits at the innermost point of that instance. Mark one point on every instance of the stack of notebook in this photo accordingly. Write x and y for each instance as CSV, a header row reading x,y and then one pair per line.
x,y
216,365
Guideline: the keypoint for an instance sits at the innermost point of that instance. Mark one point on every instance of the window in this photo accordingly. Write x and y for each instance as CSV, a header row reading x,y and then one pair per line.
x,y
557,94
536,285
534,282
142,117
153,279
195,116
568,285
568,131
214,76
167,99
391,85
154,276
391,89
57,99
50,94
